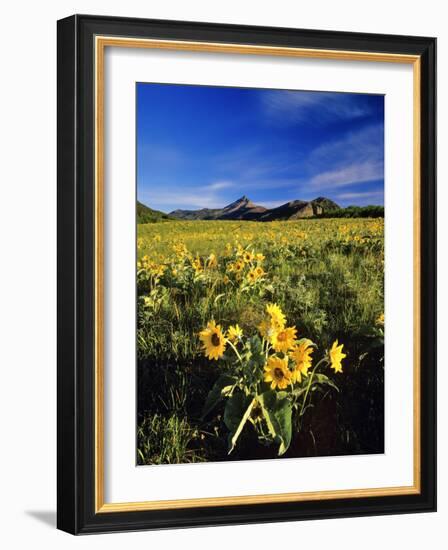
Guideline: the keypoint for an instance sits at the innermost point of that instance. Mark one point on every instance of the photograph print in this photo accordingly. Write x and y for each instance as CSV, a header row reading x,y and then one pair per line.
x,y
260,273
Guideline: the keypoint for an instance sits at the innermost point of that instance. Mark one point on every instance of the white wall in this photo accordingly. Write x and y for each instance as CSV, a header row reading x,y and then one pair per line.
x,y
28,275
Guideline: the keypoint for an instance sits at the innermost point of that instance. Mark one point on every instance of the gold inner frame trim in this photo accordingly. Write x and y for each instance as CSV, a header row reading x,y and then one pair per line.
x,y
101,42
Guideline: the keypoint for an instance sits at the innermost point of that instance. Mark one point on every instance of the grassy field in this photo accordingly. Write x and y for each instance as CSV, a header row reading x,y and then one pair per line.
x,y
325,275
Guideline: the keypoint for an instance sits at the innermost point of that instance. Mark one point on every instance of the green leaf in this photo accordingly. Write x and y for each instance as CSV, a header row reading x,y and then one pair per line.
x,y
236,413
298,392
219,296
277,411
220,389
255,344
306,341
324,381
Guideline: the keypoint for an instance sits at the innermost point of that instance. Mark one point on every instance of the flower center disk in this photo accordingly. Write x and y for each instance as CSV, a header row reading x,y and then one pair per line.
x,y
216,341
278,374
281,336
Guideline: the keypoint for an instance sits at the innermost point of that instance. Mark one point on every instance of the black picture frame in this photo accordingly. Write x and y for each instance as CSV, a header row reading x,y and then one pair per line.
x,y
76,273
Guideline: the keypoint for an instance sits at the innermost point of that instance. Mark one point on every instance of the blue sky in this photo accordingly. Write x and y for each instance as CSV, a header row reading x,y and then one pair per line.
x,y
204,147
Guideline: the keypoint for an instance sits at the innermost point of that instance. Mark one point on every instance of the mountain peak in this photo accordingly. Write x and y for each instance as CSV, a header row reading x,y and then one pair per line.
x,y
242,200
244,209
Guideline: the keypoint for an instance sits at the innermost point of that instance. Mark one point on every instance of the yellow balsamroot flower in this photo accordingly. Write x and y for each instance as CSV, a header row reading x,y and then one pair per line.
x,y
234,333
336,356
259,271
277,373
248,256
238,266
180,249
225,280
252,276
380,320
278,319
260,257
213,341
157,270
284,339
301,355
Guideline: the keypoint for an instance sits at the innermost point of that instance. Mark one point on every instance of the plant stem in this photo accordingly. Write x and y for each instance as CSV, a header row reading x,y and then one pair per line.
x,y
268,347
309,384
235,350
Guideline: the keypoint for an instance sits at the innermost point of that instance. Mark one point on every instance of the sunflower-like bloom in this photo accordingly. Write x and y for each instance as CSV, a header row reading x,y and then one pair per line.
x,y
278,319
213,341
180,249
284,339
260,257
238,266
380,320
277,373
336,356
301,355
234,333
259,271
252,276
248,256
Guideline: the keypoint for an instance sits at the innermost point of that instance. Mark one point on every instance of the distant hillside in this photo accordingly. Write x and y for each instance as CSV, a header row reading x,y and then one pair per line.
x,y
148,215
245,209
241,209
370,211
298,209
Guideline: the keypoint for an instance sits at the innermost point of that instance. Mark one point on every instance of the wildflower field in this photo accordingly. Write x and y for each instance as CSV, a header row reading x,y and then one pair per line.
x,y
259,340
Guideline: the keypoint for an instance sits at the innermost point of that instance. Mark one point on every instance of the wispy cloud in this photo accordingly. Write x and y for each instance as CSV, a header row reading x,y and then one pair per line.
x,y
252,162
205,196
356,158
362,145
354,173
218,185
164,199
291,107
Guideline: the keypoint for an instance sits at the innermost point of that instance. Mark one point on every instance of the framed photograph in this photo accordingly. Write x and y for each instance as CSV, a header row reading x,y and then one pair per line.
x,y
246,274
